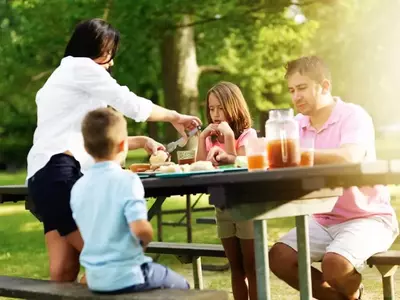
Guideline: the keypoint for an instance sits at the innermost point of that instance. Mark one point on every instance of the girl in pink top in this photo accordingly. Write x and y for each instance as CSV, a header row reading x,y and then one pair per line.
x,y
229,129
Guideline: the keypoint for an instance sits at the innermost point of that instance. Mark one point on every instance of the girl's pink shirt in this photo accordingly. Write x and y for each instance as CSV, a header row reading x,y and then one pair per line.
x,y
247,134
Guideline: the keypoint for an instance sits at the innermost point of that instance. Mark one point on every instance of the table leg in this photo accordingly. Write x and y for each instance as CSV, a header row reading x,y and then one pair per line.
x,y
155,207
303,245
189,218
159,226
262,264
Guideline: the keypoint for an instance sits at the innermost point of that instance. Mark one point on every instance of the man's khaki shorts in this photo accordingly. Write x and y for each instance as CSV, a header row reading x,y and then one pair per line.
x,y
227,228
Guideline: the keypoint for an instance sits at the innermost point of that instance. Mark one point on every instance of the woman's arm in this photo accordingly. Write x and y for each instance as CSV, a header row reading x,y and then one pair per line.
x,y
151,146
96,81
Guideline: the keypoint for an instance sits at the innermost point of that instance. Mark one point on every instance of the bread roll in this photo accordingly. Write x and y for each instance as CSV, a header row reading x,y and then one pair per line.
x,y
185,168
160,157
170,169
156,166
201,165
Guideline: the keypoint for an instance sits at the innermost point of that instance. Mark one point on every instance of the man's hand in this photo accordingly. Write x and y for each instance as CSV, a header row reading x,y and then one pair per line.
x,y
218,156
151,146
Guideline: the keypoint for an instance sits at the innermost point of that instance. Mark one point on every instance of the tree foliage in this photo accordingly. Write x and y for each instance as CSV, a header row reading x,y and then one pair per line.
x,y
248,42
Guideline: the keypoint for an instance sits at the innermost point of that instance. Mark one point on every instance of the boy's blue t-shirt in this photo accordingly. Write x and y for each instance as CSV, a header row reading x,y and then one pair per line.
x,y
104,201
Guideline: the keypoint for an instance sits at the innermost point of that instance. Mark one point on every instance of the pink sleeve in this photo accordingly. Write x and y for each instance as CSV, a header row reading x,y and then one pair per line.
x,y
245,136
357,128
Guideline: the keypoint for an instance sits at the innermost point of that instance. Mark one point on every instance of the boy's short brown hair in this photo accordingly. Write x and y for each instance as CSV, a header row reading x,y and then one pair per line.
x,y
312,66
103,129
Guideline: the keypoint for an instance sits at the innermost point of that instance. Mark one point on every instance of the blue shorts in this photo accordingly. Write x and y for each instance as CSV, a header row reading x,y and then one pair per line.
x,y
156,276
50,192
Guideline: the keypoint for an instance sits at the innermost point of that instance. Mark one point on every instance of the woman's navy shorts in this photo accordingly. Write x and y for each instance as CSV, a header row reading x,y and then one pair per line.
x,y
50,191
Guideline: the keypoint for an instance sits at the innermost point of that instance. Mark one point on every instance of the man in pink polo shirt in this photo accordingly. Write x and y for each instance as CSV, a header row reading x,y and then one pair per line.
x,y
362,222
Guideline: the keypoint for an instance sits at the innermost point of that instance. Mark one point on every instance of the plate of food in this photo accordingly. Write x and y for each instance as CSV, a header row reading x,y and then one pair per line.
x,y
196,168
160,166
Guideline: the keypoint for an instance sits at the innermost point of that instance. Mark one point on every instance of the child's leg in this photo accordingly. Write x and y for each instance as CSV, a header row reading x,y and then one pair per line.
x,y
238,275
160,277
245,232
227,233
249,264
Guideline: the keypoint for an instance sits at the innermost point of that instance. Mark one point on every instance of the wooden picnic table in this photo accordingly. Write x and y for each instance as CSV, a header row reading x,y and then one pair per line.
x,y
294,192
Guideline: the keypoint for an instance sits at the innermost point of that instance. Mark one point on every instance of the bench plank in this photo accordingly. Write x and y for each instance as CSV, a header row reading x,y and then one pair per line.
x,y
391,257
206,220
192,249
27,288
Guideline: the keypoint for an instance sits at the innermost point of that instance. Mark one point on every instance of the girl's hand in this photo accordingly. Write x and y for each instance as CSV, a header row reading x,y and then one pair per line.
x,y
225,129
217,156
210,130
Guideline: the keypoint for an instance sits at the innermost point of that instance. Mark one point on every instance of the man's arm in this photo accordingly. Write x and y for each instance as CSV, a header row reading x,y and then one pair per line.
x,y
349,153
357,136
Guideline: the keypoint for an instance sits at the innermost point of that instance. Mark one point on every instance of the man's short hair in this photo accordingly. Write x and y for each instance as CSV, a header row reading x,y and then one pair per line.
x,y
103,129
311,66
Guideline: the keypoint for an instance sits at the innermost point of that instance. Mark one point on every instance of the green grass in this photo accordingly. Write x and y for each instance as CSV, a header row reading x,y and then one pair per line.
x,y
22,250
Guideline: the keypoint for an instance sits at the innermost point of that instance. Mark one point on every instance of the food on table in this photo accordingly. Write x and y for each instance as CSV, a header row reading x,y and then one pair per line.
x,y
155,167
201,165
160,157
241,162
185,167
139,167
170,169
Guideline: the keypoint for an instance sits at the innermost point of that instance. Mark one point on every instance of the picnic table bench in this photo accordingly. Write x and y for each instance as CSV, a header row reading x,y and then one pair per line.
x,y
27,288
295,192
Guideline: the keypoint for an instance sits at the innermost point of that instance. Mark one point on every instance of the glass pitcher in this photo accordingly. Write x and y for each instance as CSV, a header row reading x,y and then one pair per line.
x,y
282,133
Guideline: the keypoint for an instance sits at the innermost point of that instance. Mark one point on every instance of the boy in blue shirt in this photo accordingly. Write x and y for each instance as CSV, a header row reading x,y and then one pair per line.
x,y
109,208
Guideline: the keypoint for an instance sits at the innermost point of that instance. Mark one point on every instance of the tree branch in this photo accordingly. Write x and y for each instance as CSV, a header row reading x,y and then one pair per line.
x,y
13,107
41,75
107,10
211,69
249,11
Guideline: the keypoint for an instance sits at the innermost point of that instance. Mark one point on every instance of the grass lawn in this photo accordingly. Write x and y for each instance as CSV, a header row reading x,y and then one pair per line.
x,y
22,251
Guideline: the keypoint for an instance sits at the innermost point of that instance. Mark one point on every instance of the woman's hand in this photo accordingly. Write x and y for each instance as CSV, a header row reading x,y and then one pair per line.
x,y
151,146
183,123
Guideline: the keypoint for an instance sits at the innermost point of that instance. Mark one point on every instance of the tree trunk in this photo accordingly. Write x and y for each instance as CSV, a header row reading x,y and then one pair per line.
x,y
180,75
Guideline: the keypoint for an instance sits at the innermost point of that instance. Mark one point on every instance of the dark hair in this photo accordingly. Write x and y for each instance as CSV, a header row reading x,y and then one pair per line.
x,y
103,129
234,106
312,66
93,38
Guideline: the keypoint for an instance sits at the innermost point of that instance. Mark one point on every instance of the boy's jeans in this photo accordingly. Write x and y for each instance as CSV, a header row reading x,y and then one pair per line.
x,y
156,276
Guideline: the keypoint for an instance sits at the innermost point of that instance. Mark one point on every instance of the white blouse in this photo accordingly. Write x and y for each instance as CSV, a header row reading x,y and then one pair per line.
x,y
76,87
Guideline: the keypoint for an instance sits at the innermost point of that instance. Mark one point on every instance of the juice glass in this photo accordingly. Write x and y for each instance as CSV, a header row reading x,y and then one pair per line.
x,y
256,154
186,157
307,151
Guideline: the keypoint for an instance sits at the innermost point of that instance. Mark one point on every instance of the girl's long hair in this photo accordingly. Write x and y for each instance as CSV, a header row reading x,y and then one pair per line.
x,y
234,106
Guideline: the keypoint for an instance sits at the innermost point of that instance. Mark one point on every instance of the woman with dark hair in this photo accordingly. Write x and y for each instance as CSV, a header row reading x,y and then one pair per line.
x,y
80,84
